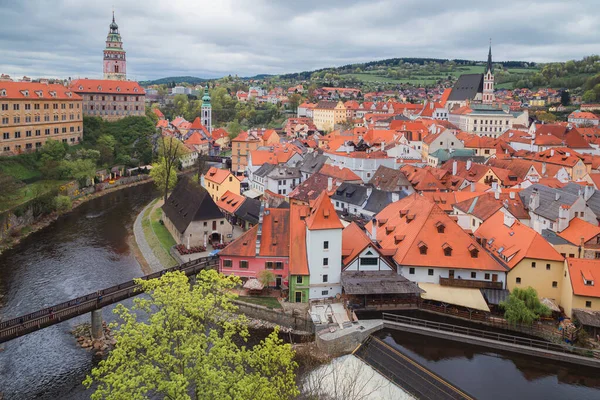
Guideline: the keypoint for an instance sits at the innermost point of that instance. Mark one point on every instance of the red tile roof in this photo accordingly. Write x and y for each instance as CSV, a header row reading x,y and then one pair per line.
x,y
323,215
516,242
230,202
579,229
417,220
354,241
106,86
298,252
580,269
36,91
217,175
340,173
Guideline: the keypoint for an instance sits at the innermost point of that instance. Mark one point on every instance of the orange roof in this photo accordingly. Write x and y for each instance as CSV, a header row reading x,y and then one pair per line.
x,y
414,223
219,133
323,215
579,229
230,202
298,255
580,269
583,115
162,123
354,241
217,175
106,86
341,173
36,91
275,237
516,242
195,139
158,113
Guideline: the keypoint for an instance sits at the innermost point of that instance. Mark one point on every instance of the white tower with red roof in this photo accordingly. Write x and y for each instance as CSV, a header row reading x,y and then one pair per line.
x,y
488,80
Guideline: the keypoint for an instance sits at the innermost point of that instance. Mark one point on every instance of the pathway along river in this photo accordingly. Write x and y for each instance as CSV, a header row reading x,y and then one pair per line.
x,y
88,249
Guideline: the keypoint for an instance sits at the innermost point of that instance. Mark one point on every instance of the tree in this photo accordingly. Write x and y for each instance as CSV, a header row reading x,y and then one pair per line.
x,y
589,96
266,277
106,146
163,180
565,98
294,101
200,165
545,117
62,204
170,150
524,306
181,343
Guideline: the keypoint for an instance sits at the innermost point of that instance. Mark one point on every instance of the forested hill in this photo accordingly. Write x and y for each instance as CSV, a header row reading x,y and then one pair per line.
x,y
173,80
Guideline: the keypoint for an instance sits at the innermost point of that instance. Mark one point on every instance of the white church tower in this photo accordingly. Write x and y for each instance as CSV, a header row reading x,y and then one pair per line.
x,y
206,110
488,80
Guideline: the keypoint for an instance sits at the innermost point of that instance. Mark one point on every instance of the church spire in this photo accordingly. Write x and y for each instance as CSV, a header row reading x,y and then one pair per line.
x,y
490,66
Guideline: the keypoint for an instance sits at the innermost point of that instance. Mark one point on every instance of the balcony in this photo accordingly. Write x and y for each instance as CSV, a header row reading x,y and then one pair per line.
x,y
467,283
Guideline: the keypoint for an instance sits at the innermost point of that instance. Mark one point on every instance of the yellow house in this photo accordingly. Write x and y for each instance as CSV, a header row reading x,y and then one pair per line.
x,y
581,285
218,181
327,114
531,259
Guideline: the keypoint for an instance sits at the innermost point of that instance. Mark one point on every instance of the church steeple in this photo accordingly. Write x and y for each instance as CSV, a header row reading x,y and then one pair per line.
x,y
488,96
490,66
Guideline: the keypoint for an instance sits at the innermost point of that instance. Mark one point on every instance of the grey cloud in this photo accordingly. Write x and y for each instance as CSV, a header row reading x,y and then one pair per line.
x,y
214,38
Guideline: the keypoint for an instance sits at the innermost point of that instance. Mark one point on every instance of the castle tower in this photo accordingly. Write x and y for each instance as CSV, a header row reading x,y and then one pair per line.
x,y
115,65
206,110
488,80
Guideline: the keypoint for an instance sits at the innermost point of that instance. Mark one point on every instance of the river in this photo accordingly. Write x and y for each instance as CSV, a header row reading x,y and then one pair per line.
x,y
495,375
88,249
83,251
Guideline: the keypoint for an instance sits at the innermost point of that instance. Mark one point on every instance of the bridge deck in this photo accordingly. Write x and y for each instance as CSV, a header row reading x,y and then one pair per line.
x,y
407,373
24,324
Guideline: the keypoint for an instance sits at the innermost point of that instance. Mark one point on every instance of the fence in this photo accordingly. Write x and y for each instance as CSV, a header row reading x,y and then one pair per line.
x,y
499,337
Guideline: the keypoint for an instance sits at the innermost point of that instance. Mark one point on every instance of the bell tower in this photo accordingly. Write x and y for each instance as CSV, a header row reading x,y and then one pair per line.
x,y
488,80
115,64
206,110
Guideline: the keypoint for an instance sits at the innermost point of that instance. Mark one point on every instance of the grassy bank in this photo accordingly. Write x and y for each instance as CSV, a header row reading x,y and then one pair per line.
x,y
158,237
261,301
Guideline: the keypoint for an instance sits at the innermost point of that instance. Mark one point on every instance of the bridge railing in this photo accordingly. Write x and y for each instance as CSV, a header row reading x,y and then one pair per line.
x,y
97,299
500,337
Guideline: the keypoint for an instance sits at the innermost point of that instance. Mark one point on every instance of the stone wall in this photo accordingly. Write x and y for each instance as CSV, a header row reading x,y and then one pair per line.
x,y
278,316
345,341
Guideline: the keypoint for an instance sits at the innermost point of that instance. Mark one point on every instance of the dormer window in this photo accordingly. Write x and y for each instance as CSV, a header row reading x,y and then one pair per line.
x,y
398,238
53,93
422,247
3,92
440,227
25,93
118,89
410,217
474,251
39,93
80,87
100,88
68,94
447,249
135,89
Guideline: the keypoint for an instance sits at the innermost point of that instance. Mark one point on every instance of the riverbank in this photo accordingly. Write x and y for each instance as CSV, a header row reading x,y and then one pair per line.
x,y
12,240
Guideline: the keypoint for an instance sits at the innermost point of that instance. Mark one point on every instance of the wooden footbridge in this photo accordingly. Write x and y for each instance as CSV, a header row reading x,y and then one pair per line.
x,y
93,302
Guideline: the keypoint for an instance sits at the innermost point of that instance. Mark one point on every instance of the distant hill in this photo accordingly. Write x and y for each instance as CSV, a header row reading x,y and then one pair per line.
x,y
174,79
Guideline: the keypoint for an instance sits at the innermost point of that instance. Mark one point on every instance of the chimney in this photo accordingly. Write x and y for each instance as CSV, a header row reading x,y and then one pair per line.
x,y
329,184
512,195
472,186
568,154
497,195
551,152
556,196
382,146
468,165
494,186
374,230
588,191
454,167
563,218
260,222
505,204
543,169
369,191
395,197
534,200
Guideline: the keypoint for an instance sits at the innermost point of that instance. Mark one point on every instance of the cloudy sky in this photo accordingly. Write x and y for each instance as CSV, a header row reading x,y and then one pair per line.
x,y
212,38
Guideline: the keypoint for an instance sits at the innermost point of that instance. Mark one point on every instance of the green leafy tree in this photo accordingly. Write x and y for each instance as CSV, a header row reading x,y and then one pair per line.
x,y
81,170
266,277
106,146
62,204
181,343
565,98
545,116
151,116
170,150
589,96
164,180
523,306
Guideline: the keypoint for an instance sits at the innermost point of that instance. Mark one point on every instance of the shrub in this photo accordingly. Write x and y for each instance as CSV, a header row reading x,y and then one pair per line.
x,y
62,204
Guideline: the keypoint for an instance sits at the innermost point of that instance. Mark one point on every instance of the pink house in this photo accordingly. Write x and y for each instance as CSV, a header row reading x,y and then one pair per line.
x,y
265,246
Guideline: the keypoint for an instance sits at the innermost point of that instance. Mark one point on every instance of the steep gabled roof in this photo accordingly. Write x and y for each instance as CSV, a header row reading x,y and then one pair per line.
x,y
580,269
323,215
579,229
516,242
298,264
230,201
466,87
217,175
354,241
414,223
190,202
389,179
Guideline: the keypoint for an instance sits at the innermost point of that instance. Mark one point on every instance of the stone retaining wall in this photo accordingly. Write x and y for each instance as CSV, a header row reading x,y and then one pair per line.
x,y
278,317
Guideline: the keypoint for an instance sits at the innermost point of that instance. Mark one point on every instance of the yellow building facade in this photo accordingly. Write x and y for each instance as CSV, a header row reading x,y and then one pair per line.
x,y
327,114
580,285
218,181
545,276
32,113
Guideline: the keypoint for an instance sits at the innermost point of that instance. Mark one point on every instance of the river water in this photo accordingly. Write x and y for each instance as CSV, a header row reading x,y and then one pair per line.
x,y
83,251
88,250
